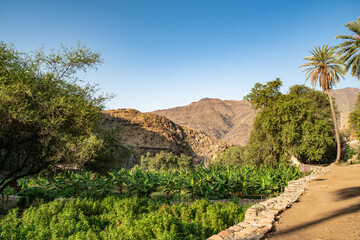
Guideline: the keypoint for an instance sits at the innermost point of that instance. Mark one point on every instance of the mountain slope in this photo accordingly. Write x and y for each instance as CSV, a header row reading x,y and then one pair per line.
x,y
228,120
345,102
232,120
146,132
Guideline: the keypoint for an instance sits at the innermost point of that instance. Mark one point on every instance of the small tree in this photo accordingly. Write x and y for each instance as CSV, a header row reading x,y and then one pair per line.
x,y
46,119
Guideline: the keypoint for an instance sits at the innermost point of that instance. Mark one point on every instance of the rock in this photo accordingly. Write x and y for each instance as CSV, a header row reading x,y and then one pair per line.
x,y
294,161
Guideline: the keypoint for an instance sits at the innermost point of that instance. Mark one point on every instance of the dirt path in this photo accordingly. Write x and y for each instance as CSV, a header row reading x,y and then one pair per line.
x,y
329,209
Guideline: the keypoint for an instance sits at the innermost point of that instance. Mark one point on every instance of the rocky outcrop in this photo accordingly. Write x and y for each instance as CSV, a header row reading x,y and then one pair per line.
x,y
345,100
227,120
146,132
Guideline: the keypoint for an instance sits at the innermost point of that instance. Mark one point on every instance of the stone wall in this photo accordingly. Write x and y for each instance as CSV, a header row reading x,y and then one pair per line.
x,y
260,217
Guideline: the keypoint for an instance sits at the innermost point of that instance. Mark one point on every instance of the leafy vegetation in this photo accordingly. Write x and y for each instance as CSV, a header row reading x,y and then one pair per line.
x,y
294,124
349,49
233,156
214,183
46,119
263,95
117,218
124,204
112,155
162,161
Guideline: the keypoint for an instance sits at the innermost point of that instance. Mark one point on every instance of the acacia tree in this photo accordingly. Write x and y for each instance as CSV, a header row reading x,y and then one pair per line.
x,y
46,119
325,68
350,48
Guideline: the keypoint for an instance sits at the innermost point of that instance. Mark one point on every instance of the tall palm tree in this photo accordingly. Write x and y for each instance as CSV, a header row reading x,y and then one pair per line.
x,y
350,48
324,67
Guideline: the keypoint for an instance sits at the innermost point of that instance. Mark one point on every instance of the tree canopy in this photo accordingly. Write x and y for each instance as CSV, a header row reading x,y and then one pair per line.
x,y
262,95
295,124
46,118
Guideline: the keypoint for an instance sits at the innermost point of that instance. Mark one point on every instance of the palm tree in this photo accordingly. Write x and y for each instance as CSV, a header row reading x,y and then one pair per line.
x,y
324,67
350,48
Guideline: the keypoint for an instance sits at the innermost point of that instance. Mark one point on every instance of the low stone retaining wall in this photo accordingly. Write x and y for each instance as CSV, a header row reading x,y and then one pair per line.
x,y
260,217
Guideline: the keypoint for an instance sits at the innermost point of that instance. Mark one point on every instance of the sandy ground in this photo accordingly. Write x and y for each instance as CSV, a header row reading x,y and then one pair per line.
x,y
329,209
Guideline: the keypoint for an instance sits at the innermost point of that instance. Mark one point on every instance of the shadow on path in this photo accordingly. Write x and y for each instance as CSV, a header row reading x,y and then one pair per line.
x,y
347,193
344,211
319,180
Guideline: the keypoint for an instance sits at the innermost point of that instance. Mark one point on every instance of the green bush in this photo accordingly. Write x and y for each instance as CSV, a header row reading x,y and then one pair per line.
x,y
349,153
116,218
298,124
113,155
162,161
230,157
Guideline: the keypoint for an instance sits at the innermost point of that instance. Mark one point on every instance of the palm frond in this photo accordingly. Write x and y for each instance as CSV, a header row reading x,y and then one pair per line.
x,y
349,49
323,67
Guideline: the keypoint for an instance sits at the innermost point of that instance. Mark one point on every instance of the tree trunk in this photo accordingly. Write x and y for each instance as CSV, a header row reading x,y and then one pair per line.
x,y
336,129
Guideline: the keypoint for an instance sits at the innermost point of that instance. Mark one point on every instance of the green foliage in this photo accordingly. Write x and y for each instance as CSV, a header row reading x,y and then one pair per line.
x,y
354,119
349,153
298,123
349,49
230,157
324,67
263,95
116,218
162,161
113,155
46,119
214,183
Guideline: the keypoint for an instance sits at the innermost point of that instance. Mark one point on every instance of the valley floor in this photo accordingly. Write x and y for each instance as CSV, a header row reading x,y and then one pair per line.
x,y
329,209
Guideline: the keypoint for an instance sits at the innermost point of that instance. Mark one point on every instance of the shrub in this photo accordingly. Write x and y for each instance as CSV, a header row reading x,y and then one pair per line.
x,y
162,161
230,157
117,218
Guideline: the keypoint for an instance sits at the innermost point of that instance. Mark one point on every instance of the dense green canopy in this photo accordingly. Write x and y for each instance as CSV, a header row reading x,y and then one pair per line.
x,y
295,124
46,118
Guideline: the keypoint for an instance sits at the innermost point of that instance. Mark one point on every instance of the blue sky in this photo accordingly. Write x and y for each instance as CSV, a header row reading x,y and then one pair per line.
x,y
167,53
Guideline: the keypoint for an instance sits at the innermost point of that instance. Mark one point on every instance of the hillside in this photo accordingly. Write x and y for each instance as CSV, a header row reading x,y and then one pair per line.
x,y
223,119
345,103
146,132
232,120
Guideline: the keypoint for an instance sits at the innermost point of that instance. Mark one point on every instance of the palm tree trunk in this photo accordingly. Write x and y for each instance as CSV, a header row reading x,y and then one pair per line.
x,y
336,128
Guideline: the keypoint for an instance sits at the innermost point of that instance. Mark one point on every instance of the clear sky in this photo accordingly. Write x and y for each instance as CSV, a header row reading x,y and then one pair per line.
x,y
167,53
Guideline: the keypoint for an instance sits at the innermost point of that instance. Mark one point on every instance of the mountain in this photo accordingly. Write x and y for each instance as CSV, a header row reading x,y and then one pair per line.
x,y
146,132
345,100
228,120
232,120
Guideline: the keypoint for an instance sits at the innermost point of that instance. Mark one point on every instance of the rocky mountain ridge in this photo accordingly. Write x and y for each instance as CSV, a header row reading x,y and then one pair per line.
x,y
146,132
232,120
